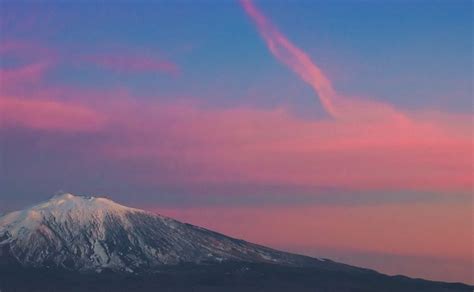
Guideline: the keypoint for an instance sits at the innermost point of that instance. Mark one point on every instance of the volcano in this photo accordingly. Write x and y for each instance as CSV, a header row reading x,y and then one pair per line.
x,y
81,237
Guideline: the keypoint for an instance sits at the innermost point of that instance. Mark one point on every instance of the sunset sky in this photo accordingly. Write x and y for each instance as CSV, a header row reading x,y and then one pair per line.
x,y
339,129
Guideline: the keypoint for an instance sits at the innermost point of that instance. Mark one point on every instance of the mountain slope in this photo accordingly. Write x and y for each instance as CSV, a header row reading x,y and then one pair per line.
x,y
92,234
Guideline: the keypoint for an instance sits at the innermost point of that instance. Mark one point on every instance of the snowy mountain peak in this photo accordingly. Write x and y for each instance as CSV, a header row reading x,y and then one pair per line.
x,y
68,201
80,210
94,233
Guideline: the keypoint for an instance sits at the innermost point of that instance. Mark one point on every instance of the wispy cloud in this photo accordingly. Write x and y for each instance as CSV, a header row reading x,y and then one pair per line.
x,y
294,58
342,107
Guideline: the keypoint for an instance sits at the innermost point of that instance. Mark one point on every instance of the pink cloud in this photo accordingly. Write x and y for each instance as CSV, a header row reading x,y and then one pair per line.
x,y
384,149
48,115
368,146
271,147
31,73
32,62
133,63
25,103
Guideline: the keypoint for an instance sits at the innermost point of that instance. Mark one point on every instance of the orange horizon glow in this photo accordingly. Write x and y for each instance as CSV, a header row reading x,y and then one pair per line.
x,y
399,230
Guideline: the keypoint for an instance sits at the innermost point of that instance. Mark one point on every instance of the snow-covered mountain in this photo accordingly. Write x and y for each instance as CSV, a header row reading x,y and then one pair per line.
x,y
62,244
93,233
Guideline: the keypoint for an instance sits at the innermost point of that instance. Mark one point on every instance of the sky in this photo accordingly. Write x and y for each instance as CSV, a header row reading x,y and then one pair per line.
x,y
339,129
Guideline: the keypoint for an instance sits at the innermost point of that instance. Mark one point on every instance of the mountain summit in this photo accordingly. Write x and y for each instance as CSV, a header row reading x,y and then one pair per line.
x,y
93,234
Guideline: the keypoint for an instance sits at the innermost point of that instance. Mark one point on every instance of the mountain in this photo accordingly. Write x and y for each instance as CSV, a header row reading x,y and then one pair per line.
x,y
92,234
80,237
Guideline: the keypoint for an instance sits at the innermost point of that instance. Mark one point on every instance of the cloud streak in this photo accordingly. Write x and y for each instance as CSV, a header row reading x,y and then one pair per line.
x,y
294,58
343,108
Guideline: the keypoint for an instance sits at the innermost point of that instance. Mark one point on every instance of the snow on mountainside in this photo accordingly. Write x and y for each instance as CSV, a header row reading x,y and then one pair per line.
x,y
92,234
